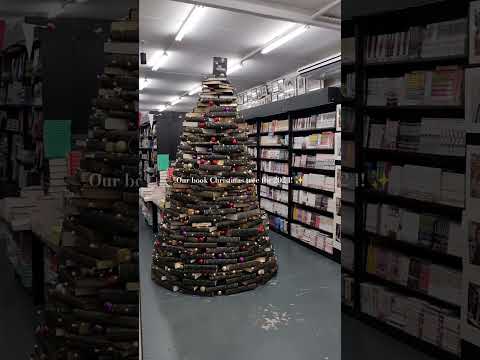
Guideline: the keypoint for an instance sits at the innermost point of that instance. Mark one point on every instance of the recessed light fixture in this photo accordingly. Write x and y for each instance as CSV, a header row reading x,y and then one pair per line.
x,y
235,67
176,101
142,84
188,24
158,59
195,90
284,39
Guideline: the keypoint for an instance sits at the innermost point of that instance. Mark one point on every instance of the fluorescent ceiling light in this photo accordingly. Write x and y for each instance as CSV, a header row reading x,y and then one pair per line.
x,y
195,90
234,68
143,84
162,108
188,24
284,39
319,64
176,101
158,59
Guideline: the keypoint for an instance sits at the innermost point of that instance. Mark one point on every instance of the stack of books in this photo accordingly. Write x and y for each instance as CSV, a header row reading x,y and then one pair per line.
x,y
322,141
428,231
316,181
442,86
274,154
315,122
315,220
437,325
274,194
274,207
417,182
58,172
317,161
274,140
441,39
275,167
312,237
318,201
274,126
420,275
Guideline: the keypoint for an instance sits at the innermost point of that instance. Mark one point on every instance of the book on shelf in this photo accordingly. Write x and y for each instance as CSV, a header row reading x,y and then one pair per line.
x,y
312,237
416,182
315,181
348,289
416,274
441,39
427,231
437,325
348,50
441,87
315,220
322,141
274,167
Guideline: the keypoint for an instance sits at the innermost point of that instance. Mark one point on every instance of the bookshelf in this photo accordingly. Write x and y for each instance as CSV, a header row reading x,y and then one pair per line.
x,y
361,110
286,203
148,150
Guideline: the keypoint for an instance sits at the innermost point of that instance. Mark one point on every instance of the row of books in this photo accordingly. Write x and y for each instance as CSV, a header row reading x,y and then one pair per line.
x,y
318,201
348,153
348,254
312,237
442,86
252,151
251,129
315,220
436,325
315,181
274,167
322,141
349,85
274,126
274,207
274,194
348,183
278,224
441,39
417,182
274,154
420,275
318,121
348,289
425,230
348,119
438,136
317,161
277,181
274,140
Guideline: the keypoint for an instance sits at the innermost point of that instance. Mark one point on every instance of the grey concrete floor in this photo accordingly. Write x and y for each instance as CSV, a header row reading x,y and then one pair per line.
x,y
16,314
295,316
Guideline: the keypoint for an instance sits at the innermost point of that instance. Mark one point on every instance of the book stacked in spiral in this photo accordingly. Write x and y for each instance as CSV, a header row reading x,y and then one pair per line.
x,y
214,238
92,313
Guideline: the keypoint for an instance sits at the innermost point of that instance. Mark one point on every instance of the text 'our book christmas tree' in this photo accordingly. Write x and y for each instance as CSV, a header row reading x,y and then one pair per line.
x,y
214,237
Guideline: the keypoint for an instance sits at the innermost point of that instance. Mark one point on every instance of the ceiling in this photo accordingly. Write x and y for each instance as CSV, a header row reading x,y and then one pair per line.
x,y
233,34
98,9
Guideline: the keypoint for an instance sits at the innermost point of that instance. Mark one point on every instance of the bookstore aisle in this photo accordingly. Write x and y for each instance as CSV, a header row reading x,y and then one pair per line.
x,y
295,316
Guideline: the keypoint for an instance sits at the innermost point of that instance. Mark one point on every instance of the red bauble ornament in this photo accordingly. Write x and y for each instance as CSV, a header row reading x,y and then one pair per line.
x,y
200,261
231,205
211,103
213,139
234,141
261,228
201,125
217,119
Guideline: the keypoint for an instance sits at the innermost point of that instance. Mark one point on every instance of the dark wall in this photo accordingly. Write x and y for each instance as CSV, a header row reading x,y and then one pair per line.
x,y
169,130
72,57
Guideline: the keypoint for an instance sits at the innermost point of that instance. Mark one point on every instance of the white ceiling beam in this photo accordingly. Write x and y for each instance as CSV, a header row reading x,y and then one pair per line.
x,y
326,8
259,8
